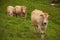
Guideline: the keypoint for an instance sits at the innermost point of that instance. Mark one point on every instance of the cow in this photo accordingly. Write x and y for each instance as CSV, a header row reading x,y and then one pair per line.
x,y
21,11
18,10
10,10
40,21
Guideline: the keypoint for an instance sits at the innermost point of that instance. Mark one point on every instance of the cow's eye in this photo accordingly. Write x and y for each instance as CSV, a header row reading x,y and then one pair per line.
x,y
41,15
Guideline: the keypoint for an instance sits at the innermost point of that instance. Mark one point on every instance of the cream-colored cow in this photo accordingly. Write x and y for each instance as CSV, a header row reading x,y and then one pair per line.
x,y
40,21
21,11
10,10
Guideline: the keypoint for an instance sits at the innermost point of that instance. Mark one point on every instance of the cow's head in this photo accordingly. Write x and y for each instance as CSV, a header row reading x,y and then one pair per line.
x,y
24,9
45,18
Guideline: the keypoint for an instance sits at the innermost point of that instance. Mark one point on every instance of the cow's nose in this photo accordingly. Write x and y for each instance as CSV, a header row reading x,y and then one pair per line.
x,y
44,23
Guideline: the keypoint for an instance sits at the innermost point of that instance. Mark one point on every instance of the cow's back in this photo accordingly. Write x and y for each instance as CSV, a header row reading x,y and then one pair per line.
x,y
10,9
18,9
35,16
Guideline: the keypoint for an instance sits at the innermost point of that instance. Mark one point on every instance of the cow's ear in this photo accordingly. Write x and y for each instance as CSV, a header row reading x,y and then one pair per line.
x,y
48,15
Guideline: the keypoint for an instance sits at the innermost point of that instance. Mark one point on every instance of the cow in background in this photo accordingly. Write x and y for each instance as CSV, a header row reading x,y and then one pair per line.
x,y
10,10
21,11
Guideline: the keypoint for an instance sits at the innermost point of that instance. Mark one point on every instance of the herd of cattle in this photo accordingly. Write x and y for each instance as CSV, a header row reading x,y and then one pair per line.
x,y
39,18
17,10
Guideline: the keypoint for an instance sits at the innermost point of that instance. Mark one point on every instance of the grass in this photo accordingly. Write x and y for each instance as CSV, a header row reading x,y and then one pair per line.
x,y
15,28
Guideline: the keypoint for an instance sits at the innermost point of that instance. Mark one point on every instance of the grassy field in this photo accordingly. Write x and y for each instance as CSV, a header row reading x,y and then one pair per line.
x,y
15,28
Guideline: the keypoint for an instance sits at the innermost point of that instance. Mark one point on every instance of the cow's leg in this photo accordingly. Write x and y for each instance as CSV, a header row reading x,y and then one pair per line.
x,y
42,32
42,36
39,28
35,28
14,14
